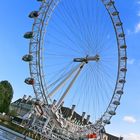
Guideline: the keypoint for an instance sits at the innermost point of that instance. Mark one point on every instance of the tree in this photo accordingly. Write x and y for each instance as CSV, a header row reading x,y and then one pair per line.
x,y
6,95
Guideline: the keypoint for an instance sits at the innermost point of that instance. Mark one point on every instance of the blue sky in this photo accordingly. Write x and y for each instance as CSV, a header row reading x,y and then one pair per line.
x,y
14,22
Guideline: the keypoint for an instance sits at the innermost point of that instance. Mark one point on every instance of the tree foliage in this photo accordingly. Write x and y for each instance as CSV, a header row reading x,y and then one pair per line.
x,y
6,95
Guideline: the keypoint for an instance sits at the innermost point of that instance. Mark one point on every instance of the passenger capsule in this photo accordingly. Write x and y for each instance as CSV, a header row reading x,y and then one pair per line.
x,y
123,47
122,81
121,35
28,35
91,136
27,58
112,112
116,103
124,58
120,92
115,13
106,121
41,0
110,3
29,81
119,24
123,69
34,14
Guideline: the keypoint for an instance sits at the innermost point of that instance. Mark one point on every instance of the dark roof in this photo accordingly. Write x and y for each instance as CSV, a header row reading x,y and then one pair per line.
x,y
111,137
65,110
67,113
30,102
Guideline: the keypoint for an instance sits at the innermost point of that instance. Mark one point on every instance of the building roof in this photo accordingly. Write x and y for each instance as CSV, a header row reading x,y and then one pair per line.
x,y
112,137
65,110
26,101
66,114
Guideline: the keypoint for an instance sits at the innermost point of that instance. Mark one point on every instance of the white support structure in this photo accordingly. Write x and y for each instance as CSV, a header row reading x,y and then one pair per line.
x,y
70,85
63,82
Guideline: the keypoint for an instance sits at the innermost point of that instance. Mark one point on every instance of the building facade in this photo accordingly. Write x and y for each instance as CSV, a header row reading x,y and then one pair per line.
x,y
107,136
24,106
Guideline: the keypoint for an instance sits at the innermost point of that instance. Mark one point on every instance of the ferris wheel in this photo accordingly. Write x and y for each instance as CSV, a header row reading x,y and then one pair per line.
x,y
77,61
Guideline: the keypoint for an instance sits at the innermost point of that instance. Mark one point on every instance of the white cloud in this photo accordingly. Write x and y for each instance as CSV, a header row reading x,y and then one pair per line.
x,y
137,28
132,136
129,119
138,2
138,13
130,61
129,32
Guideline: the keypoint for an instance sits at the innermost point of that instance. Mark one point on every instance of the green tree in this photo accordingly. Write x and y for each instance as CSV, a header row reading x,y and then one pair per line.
x,y
6,95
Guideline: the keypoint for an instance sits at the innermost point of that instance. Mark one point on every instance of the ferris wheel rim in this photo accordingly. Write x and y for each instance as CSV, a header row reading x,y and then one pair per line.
x,y
39,76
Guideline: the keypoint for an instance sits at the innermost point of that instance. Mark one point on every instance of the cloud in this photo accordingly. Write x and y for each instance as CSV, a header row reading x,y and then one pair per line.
x,y
132,136
138,2
130,61
137,28
129,32
138,13
129,119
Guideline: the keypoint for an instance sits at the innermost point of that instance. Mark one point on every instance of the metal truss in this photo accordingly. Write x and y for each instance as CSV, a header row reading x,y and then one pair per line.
x,y
51,128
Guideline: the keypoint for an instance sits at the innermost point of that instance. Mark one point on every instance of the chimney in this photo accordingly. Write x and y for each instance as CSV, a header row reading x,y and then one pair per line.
x,y
72,111
24,97
28,99
83,115
88,118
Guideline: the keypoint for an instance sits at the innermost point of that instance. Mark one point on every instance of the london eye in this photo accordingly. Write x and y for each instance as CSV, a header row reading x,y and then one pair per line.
x,y
77,61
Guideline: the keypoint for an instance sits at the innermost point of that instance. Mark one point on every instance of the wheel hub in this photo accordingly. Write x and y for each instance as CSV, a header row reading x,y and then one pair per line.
x,y
87,59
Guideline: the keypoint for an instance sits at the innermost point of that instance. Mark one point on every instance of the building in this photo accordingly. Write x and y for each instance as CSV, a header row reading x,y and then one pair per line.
x,y
25,105
22,106
107,136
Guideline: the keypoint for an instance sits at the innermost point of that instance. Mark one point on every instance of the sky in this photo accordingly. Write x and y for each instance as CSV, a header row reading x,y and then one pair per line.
x,y
14,23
